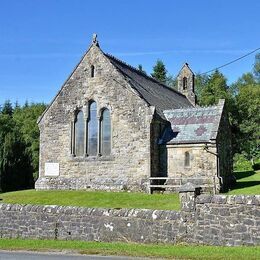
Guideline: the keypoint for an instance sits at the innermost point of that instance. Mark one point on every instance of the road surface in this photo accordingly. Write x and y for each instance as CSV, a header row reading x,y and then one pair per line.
x,y
14,255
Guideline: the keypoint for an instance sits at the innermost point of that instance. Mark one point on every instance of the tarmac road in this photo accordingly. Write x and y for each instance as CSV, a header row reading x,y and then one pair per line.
x,y
14,255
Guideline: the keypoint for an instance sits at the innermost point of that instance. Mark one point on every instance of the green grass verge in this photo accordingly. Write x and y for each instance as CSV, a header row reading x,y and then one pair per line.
x,y
248,183
97,199
130,249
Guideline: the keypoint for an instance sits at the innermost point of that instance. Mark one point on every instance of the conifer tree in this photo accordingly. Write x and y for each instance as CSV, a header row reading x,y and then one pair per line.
x,y
160,72
7,108
140,68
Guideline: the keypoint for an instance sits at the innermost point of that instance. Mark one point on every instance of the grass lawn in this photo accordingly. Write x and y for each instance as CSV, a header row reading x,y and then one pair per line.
x,y
130,249
97,199
248,183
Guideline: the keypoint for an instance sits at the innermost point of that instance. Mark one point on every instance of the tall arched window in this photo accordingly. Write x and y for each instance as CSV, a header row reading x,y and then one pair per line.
x,y
79,134
105,132
187,159
184,83
92,129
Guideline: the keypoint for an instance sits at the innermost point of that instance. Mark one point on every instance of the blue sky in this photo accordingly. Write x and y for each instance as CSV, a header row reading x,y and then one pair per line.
x,y
42,40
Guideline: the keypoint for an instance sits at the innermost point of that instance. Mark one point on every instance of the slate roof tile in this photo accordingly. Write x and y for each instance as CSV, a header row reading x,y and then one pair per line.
x,y
152,91
192,125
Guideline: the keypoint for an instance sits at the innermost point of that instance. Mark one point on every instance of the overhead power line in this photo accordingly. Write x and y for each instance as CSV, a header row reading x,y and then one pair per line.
x,y
226,64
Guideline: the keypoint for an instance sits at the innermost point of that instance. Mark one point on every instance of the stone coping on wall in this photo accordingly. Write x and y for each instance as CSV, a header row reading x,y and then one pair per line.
x,y
147,214
229,199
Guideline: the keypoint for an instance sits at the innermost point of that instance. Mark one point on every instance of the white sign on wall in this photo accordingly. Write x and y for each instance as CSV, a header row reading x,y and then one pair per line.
x,y
52,169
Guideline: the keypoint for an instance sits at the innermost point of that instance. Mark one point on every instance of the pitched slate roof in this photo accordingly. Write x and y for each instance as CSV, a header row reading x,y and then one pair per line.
x,y
152,91
192,125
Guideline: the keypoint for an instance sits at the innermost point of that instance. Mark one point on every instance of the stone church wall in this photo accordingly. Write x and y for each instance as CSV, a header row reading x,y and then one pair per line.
x,y
207,219
128,166
202,169
158,161
224,150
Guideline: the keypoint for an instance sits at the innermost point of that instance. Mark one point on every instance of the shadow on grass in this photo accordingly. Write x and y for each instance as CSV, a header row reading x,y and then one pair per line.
x,y
245,184
241,175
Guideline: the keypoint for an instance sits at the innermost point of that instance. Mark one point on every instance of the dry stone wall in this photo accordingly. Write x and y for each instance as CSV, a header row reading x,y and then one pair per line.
x,y
89,224
205,219
227,220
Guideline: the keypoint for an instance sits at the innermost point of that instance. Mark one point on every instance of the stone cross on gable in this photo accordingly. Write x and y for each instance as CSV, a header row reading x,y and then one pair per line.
x,y
94,39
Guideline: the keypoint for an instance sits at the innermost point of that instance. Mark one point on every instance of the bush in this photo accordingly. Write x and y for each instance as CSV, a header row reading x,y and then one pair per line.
x,y
256,166
241,163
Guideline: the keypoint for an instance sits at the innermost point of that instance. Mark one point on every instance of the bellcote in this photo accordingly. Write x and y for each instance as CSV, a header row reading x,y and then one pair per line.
x,y
185,81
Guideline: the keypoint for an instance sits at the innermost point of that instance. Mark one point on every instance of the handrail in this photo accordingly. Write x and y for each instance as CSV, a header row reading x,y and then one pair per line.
x,y
180,180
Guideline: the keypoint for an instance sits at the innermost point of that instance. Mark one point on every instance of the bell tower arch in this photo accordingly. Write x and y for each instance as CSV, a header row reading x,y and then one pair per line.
x,y
185,81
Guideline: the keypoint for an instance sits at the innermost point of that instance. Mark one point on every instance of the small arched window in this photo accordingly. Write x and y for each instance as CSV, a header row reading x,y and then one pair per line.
x,y
105,132
92,72
79,134
187,159
184,83
92,129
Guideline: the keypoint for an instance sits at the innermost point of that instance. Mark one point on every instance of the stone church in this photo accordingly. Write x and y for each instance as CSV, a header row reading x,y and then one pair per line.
x,y
112,127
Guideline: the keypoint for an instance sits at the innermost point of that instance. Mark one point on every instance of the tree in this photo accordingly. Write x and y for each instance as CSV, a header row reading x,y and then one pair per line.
x,y
160,72
215,89
19,145
201,80
171,82
248,119
140,68
26,119
15,165
257,67
7,108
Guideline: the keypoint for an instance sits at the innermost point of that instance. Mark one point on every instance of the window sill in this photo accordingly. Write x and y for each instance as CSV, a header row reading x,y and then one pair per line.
x,y
92,158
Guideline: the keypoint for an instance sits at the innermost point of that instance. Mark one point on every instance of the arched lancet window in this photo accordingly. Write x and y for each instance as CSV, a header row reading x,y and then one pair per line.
x,y
184,83
92,73
79,134
105,132
92,129
187,159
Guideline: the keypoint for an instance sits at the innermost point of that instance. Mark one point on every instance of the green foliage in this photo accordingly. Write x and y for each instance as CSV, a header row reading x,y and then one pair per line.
x,y
15,170
171,82
215,88
159,72
257,67
241,163
140,68
19,145
201,80
248,119
95,199
242,104
26,120
256,166
7,108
